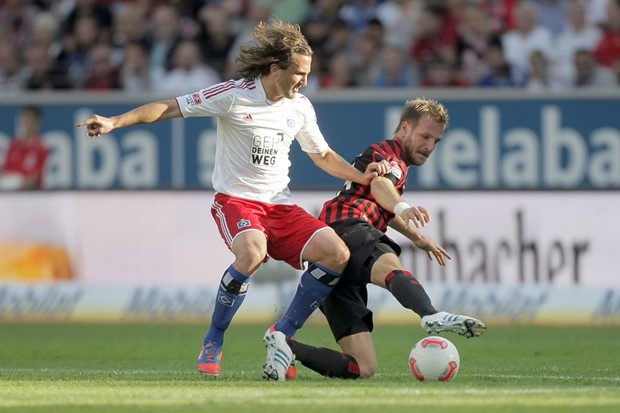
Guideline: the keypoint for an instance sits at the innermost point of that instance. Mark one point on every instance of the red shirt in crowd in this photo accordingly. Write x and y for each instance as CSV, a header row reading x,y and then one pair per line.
x,y
26,158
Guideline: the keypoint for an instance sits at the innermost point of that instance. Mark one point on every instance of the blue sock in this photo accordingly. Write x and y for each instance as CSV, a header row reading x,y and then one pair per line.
x,y
230,295
315,285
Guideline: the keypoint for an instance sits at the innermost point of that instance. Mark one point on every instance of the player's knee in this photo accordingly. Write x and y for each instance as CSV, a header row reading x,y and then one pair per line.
x,y
342,254
249,259
367,369
338,255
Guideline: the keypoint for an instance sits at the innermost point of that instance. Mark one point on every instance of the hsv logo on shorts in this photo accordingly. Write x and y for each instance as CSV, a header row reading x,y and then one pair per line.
x,y
243,223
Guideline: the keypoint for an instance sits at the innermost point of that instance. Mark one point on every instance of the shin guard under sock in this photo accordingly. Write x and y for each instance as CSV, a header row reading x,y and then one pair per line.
x,y
314,286
409,292
230,295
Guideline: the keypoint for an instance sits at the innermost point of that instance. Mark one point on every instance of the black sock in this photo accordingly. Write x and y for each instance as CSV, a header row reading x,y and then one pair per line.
x,y
325,361
409,292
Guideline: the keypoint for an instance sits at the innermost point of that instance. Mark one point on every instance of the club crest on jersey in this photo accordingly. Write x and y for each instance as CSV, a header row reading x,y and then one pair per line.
x,y
243,223
193,99
395,170
290,123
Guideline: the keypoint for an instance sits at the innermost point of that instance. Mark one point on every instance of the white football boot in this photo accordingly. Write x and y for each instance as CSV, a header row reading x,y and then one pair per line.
x,y
279,356
460,324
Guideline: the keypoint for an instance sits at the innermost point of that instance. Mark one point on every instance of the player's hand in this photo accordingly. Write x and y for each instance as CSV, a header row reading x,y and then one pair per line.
x,y
96,126
432,250
416,214
375,169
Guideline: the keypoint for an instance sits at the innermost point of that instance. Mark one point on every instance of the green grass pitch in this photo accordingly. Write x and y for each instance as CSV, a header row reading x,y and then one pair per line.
x,y
150,368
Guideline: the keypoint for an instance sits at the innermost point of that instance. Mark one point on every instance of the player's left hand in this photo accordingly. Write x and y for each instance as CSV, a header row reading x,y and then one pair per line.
x,y
432,250
375,169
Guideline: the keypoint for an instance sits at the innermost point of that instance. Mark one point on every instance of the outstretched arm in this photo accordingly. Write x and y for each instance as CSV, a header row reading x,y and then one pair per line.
x,y
388,197
335,165
149,113
418,239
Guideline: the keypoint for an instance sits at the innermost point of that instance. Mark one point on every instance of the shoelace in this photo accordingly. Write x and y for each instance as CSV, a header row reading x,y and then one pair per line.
x,y
210,353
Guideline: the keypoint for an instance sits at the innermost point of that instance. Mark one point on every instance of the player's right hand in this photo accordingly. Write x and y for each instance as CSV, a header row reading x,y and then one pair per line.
x,y
375,169
96,126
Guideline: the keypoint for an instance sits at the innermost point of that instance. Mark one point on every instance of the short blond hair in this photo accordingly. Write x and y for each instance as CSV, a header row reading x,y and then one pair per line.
x,y
416,109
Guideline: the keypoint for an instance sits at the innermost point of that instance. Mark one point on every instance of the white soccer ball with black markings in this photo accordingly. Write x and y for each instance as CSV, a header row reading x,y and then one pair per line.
x,y
434,358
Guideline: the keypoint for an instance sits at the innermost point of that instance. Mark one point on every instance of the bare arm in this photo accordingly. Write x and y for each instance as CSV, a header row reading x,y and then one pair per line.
x,y
149,113
335,165
386,195
418,239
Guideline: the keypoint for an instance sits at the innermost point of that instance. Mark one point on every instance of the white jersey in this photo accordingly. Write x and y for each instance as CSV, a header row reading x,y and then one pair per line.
x,y
254,137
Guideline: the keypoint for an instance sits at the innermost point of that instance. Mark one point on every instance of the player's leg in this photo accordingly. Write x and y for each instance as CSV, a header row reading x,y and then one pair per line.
x,y
346,309
350,321
357,358
295,237
327,256
389,273
361,347
250,249
248,244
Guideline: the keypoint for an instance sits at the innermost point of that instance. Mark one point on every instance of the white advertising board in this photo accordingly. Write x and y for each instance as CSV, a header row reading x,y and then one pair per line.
x,y
516,256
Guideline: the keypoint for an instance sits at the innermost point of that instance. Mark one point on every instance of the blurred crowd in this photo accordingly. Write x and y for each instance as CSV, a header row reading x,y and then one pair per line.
x,y
179,46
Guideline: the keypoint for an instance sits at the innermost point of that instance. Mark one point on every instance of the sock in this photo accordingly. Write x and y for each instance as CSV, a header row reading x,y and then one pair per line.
x,y
230,295
409,292
325,361
314,286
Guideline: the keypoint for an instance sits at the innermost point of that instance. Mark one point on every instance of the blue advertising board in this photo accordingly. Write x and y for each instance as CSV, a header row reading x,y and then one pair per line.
x,y
523,142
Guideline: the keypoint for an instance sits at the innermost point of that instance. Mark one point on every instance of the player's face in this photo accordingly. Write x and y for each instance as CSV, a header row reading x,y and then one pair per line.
x,y
29,124
291,79
420,141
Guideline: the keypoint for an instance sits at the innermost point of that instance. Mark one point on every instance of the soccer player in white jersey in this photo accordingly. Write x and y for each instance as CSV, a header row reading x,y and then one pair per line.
x,y
258,117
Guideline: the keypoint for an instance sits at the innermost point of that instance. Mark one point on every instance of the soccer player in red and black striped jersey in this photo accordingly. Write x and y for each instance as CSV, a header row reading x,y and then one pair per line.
x,y
360,215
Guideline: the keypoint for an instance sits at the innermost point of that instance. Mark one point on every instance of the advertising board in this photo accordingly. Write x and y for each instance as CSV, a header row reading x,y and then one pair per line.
x,y
523,256
514,142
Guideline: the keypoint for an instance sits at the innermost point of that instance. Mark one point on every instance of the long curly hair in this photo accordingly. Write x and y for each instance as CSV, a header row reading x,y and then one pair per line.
x,y
273,42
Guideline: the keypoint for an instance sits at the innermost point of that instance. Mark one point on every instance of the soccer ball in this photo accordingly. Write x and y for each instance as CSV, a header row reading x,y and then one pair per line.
x,y
434,358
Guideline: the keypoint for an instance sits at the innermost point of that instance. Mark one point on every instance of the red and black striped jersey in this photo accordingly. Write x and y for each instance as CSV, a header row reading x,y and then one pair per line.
x,y
355,200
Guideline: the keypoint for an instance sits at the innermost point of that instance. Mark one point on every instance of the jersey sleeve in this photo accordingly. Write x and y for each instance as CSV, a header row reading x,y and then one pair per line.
x,y
212,101
310,137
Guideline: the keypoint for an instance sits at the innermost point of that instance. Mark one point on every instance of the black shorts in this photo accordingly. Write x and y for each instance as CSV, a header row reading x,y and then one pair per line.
x,y
346,308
